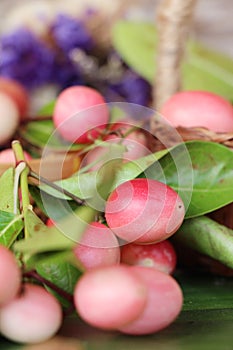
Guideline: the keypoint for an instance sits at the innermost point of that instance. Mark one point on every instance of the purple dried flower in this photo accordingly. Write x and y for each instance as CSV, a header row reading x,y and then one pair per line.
x,y
70,33
66,74
133,89
25,58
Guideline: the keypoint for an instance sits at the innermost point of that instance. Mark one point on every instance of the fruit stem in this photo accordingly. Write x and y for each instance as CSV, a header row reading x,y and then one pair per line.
x,y
34,275
36,118
19,155
56,187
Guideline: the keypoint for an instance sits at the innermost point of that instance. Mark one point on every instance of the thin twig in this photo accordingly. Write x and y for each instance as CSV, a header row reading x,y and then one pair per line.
x,y
56,187
37,118
34,275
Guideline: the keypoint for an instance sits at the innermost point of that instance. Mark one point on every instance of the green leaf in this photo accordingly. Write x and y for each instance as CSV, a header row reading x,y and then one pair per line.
x,y
7,191
136,42
205,291
53,240
61,237
37,133
67,231
203,69
34,223
42,133
84,185
217,58
208,237
10,227
133,169
201,172
47,110
57,269
56,207
42,238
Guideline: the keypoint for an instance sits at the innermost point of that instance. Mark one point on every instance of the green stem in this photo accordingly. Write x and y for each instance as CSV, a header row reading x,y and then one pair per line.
x,y
19,155
18,170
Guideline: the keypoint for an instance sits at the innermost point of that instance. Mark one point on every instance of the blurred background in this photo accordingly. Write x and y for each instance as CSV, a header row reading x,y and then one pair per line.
x,y
212,19
67,40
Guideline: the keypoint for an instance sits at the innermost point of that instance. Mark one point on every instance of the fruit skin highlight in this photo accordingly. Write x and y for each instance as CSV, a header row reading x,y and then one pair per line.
x,y
10,276
34,316
199,109
80,114
110,297
164,302
160,256
144,211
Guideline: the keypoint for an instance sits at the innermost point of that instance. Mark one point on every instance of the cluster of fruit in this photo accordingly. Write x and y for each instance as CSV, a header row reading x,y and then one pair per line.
x,y
127,259
131,299
110,295
28,312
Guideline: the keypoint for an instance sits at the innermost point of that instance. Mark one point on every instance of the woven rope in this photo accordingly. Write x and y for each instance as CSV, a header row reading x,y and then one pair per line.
x,y
173,23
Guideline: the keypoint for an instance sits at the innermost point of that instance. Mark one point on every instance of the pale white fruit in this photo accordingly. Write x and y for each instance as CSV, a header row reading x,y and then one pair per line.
x,y
32,317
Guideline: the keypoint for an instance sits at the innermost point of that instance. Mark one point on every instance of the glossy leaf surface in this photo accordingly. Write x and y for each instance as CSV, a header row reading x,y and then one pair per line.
x,y
201,172
85,184
38,133
136,43
58,269
10,227
60,237
7,190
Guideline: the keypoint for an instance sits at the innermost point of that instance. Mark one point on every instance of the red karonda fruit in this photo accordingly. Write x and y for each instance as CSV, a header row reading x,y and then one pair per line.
x,y
9,116
10,276
164,302
7,156
160,256
199,109
98,247
80,114
144,211
110,297
17,93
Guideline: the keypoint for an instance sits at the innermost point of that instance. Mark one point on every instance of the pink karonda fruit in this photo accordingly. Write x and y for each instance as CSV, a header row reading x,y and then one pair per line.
x,y
144,211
